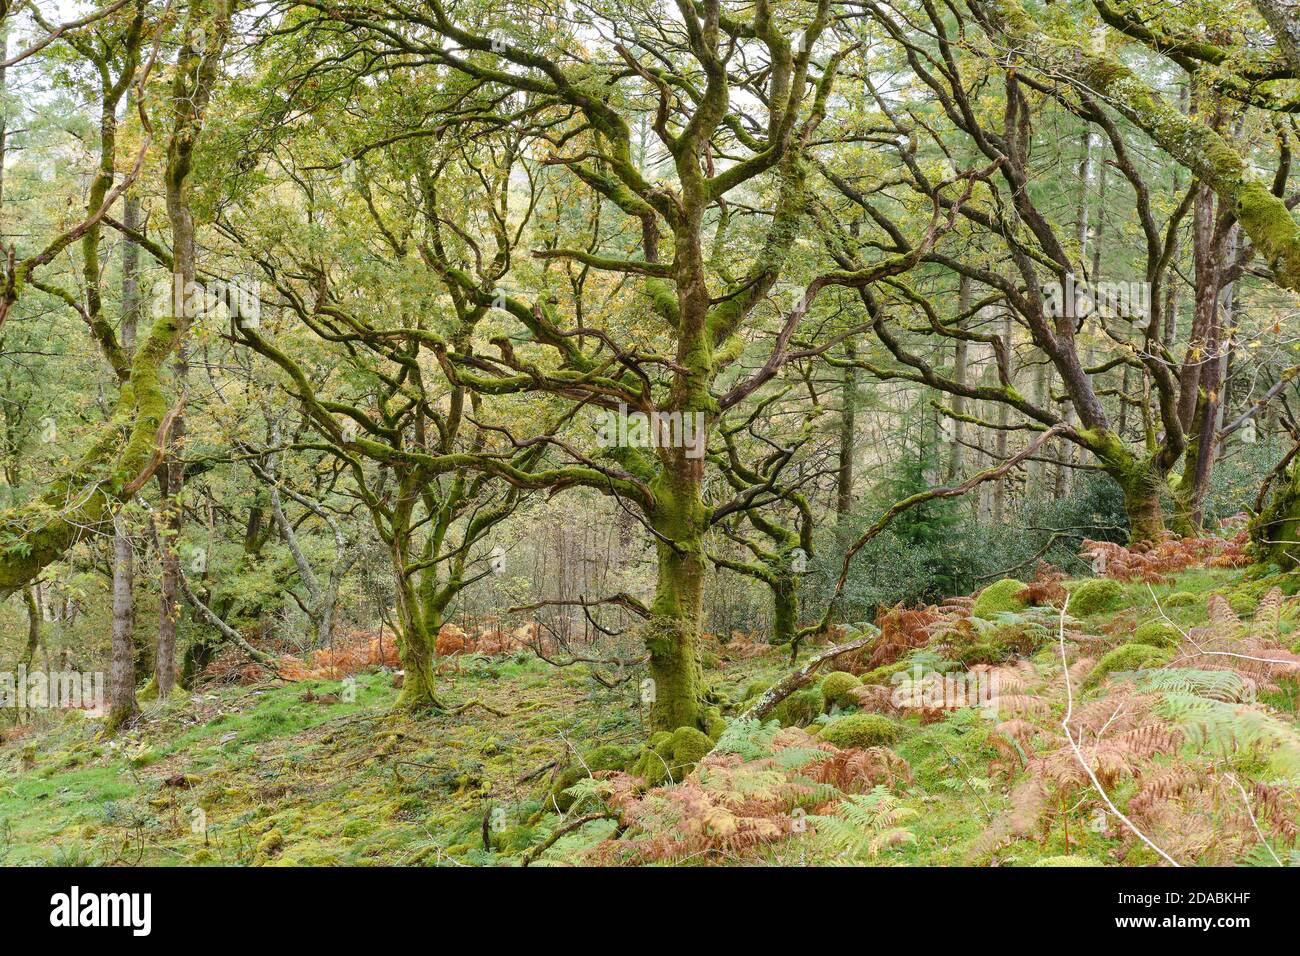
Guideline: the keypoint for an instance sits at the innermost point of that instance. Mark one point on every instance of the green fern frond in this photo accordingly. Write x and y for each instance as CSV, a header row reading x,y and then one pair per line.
x,y
740,784
1228,728
796,758
1216,685
865,824
749,738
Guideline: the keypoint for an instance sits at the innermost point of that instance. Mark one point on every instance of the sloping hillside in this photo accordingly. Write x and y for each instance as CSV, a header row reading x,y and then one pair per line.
x,y
1182,695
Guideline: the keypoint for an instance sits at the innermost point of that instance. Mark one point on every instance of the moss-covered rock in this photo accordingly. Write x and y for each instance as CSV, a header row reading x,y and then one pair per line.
x,y
837,689
883,675
608,757
565,779
1096,597
713,721
1243,603
604,757
1156,634
861,730
1127,657
756,687
149,691
801,707
690,746
981,652
999,597
272,843
670,757
1181,599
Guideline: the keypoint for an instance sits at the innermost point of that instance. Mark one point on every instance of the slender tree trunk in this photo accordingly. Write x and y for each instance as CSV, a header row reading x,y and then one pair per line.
x,y
33,624
1200,384
125,657
1000,440
4,112
172,481
960,359
1065,454
1227,347
123,561
121,679
171,475
848,422
206,31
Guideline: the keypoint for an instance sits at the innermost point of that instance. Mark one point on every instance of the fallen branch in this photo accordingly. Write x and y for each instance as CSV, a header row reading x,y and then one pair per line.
x,y
228,632
536,851
622,599
787,686
478,703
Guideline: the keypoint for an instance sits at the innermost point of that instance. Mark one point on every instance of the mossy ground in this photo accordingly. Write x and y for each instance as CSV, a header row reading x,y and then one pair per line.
x,y
281,779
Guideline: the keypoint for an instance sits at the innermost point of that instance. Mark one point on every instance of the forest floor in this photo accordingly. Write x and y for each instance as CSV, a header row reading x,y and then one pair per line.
x,y
302,774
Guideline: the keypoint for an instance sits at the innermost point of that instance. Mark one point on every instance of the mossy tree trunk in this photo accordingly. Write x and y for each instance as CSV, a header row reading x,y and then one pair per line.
x,y
785,609
672,633
1142,479
1142,489
429,576
777,572
415,643
1190,491
415,646
1200,379
1275,531
33,625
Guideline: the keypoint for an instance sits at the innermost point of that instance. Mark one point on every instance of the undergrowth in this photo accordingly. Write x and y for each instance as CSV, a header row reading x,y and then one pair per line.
x,y
1194,742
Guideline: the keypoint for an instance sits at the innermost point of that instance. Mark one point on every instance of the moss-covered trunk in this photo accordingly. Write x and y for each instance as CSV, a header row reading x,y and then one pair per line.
x,y
1146,518
1275,532
672,633
1193,485
414,647
785,608
671,638
415,642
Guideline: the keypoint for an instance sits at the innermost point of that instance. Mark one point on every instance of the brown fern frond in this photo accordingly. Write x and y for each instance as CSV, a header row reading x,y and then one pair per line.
x,y
1223,619
1028,802
1017,704
1268,616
